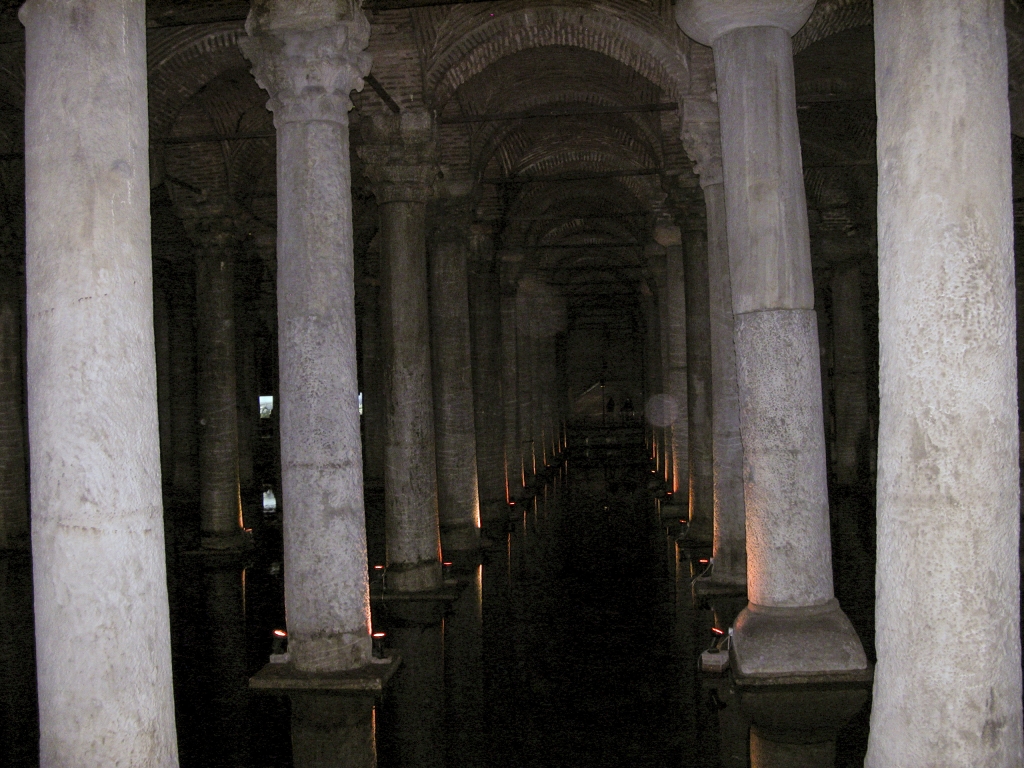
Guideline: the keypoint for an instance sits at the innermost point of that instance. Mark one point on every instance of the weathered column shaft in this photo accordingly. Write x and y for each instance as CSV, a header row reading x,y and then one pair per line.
x,y
219,503
326,582
525,394
698,376
514,469
947,579
730,543
247,398
373,387
488,387
103,653
14,513
793,624
458,501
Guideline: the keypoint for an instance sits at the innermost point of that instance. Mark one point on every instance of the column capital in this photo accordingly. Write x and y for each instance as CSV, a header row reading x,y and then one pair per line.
x,y
212,227
309,56
702,139
451,218
401,155
707,20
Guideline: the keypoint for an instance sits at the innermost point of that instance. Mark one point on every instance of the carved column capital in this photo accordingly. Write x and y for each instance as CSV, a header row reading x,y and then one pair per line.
x,y
702,140
309,62
401,156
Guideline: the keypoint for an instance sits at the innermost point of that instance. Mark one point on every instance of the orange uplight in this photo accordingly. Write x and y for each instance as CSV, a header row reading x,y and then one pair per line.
x,y
447,564
379,635
718,631
280,633
703,561
378,567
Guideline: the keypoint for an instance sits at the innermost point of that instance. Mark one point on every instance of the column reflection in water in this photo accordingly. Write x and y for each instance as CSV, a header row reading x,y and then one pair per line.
x,y
414,703
797,726
498,673
19,728
226,694
333,731
464,675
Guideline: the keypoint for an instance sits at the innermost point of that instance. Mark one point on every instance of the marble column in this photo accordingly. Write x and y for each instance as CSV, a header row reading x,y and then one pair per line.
x,y
220,512
14,511
458,498
373,382
525,393
948,678
401,165
103,652
488,386
702,140
664,410
309,61
793,624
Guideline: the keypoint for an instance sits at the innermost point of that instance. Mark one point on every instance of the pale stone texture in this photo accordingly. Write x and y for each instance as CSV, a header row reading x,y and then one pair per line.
x,y
702,140
401,164
103,656
14,514
212,229
948,678
309,58
458,502
785,490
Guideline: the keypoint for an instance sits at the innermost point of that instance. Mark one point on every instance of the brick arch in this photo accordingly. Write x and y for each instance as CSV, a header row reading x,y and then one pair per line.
x,y
184,61
660,56
831,17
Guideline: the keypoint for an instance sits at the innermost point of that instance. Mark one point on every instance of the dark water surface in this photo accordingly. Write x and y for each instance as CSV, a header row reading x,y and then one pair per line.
x,y
574,643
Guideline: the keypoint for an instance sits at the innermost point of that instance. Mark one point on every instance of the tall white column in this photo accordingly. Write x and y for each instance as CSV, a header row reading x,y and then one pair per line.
x,y
793,624
103,653
402,165
309,61
947,579
702,140
458,498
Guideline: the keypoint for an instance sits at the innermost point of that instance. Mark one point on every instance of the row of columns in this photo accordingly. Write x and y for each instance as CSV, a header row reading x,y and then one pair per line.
x,y
945,274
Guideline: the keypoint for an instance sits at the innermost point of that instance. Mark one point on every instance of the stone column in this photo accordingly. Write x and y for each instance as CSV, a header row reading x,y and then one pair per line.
x,y
182,312
488,387
793,624
514,466
220,510
309,61
525,394
401,165
14,512
702,140
666,410
373,382
948,677
458,500
103,652
849,378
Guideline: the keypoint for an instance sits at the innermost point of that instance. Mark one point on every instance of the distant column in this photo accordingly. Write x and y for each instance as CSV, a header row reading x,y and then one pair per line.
x,y
213,231
702,140
507,266
402,166
103,650
458,498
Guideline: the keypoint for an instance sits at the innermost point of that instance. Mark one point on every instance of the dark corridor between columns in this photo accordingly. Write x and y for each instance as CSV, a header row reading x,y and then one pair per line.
x,y
574,643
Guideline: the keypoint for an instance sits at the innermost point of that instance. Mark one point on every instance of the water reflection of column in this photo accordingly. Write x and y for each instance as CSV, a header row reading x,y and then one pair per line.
x,y
416,697
464,675
19,731
497,650
332,731
685,652
226,696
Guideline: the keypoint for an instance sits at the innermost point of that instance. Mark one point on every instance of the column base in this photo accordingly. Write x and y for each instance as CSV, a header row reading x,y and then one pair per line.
x,y
236,541
284,678
413,577
493,512
671,513
813,644
708,586
447,592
